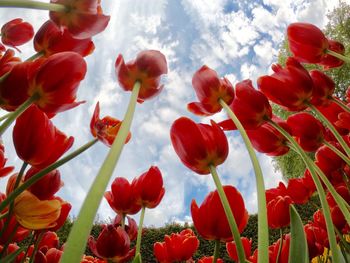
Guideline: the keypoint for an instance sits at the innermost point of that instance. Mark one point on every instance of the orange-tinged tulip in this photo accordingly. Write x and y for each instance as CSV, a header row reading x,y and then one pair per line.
x,y
35,214
16,32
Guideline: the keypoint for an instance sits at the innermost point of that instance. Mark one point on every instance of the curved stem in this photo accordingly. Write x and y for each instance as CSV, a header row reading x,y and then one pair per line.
x,y
35,56
230,218
78,236
43,172
3,117
341,104
33,5
263,232
337,55
320,190
216,251
330,126
139,231
17,113
280,246
337,152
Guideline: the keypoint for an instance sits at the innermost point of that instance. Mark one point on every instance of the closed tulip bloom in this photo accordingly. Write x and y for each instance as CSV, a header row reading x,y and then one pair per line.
x,y
210,220
199,145
49,39
232,251
209,260
112,244
323,88
332,112
328,61
278,212
316,238
299,190
328,160
284,254
53,255
55,81
82,18
121,198
290,87
148,188
210,89
37,141
105,129
16,32
147,68
4,170
251,107
307,130
35,214
177,247
307,42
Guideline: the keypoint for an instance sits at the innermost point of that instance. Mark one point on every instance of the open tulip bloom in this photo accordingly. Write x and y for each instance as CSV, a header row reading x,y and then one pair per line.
x,y
46,84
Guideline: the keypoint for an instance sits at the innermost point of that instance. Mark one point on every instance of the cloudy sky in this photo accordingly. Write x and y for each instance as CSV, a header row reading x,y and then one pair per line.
x,y
239,39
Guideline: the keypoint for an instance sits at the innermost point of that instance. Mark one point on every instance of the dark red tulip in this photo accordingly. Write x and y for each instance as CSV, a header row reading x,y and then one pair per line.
x,y
232,251
53,255
37,141
250,106
20,233
148,188
307,42
328,61
105,129
16,32
177,247
316,238
290,87
55,80
112,244
130,228
210,89
49,39
268,140
323,88
12,248
4,170
199,145
278,211
307,130
211,214
147,68
343,121
82,18
121,197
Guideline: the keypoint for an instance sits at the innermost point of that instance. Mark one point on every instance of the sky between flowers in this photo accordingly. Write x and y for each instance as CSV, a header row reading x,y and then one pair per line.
x,y
239,39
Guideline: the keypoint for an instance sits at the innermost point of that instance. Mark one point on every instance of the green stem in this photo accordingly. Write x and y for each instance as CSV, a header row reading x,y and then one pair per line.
x,y
4,215
139,231
341,104
230,218
263,232
43,172
343,241
320,190
33,5
123,221
8,241
35,56
337,152
337,55
330,126
76,242
28,246
17,113
5,116
280,246
216,251
36,246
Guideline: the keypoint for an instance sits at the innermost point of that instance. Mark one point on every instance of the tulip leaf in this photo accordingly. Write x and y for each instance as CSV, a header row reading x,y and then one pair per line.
x,y
11,257
137,259
298,252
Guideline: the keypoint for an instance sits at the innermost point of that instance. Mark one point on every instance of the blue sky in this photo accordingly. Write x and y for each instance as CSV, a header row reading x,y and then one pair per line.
x,y
239,39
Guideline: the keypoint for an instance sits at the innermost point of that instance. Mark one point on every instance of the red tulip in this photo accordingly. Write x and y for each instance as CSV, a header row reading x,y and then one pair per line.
x,y
328,61
209,260
284,255
278,211
4,171
232,251
82,18
343,121
199,145
328,160
55,80
53,255
210,219
16,32
148,188
65,209
290,87
7,61
20,232
272,193
121,197
307,130
299,189
113,244
37,141
307,42
47,186
130,228
250,106
177,247
316,238
105,129
323,88
209,90
268,140
331,112
49,39
12,248
147,68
